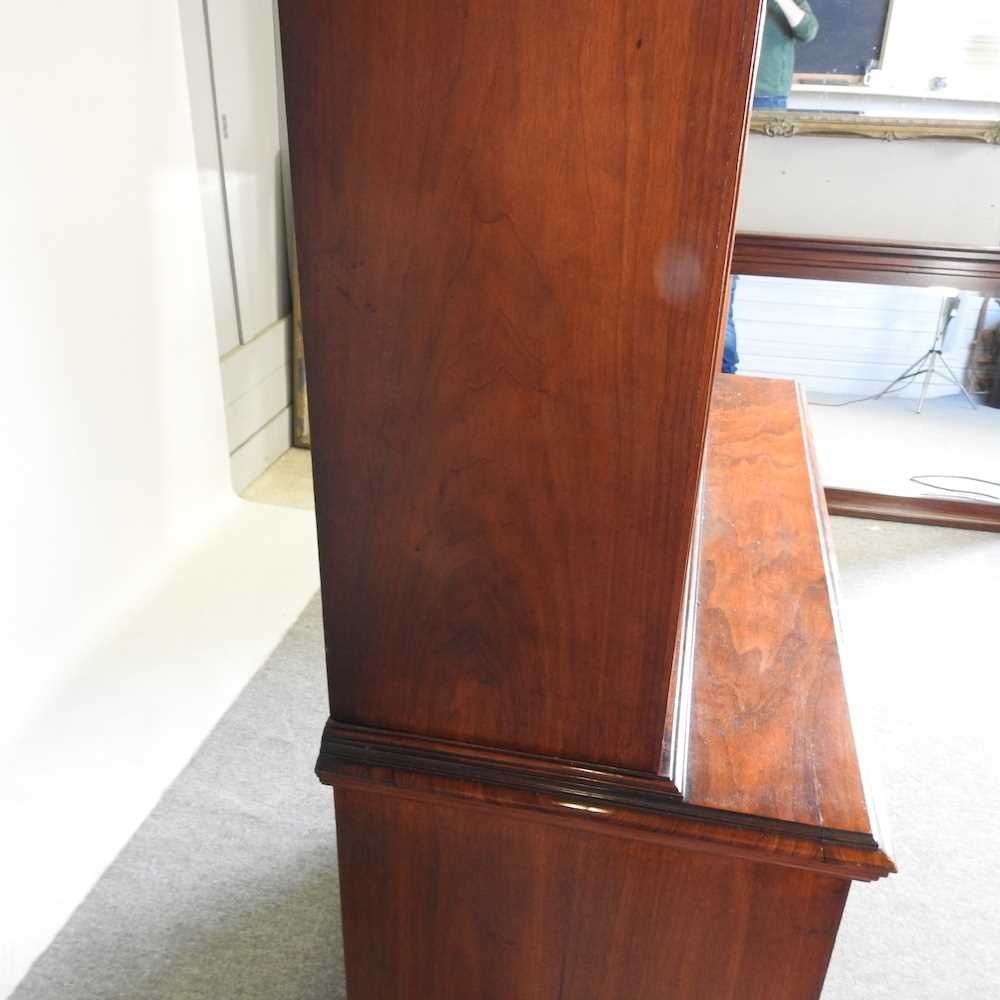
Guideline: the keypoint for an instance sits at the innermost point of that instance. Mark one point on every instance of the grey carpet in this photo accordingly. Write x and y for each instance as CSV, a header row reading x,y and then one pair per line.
x,y
229,889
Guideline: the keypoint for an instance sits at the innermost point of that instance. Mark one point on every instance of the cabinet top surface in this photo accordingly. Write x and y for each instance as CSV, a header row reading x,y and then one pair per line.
x,y
771,732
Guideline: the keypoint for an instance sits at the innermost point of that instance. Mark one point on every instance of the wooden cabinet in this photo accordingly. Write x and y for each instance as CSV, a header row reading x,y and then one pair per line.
x,y
588,735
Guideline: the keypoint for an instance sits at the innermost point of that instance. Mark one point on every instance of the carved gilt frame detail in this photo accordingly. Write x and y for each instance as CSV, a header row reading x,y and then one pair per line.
x,y
790,123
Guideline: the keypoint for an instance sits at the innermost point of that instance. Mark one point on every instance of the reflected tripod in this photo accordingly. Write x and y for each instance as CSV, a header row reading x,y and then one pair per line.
x,y
934,357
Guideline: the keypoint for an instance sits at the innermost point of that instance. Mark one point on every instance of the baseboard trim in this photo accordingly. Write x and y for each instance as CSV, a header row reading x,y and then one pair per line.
x,y
256,455
913,510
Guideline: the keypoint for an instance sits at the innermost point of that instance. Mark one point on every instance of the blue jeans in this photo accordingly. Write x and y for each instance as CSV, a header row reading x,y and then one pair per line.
x,y
768,103
730,356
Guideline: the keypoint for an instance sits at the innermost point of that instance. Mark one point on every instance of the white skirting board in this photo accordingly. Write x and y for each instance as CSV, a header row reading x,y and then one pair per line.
x,y
256,388
262,450
253,412
112,738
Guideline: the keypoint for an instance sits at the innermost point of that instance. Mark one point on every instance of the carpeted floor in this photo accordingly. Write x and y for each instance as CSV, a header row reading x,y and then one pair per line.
x,y
229,889
919,609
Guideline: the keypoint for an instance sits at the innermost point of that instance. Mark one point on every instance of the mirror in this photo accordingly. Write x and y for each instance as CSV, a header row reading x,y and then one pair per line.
x,y
883,68
871,271
903,383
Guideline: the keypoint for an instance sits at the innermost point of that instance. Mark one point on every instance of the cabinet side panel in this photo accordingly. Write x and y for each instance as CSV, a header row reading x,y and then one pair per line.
x,y
447,900
514,221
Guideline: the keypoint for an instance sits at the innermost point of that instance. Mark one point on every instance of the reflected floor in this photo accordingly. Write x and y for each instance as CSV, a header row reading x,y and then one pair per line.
x,y
877,446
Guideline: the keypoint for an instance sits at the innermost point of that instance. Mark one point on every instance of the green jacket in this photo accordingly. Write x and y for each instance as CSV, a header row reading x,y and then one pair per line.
x,y
777,52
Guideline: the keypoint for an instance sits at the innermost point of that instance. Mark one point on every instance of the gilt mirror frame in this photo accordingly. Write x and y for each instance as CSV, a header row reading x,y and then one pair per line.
x,y
790,122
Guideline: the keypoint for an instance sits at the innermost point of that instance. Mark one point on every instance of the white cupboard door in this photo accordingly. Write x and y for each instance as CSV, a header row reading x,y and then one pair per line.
x,y
246,94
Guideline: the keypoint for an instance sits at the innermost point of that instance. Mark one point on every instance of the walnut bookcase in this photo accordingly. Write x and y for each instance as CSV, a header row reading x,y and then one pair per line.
x,y
589,735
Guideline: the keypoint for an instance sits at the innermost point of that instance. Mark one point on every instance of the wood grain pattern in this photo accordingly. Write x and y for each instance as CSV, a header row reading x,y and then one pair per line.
x,y
442,901
514,222
919,264
937,511
771,728
772,770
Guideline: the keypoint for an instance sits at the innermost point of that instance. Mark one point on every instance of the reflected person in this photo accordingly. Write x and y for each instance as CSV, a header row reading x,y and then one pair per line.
x,y
786,24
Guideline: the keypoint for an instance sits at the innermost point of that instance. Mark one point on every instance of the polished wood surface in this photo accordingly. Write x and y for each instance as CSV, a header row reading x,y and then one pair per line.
x,y
514,222
668,822
937,511
773,771
921,264
444,900
589,737
771,727
470,871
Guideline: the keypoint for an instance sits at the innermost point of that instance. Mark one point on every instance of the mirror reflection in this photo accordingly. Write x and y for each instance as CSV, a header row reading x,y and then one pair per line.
x,y
881,58
903,384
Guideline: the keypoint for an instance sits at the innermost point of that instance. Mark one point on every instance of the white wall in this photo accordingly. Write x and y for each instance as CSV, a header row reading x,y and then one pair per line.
x,y
137,593
113,429
933,191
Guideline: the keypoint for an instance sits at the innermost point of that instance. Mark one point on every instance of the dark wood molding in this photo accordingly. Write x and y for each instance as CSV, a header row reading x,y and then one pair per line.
x,y
401,771
344,748
714,834
936,511
884,263
486,765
